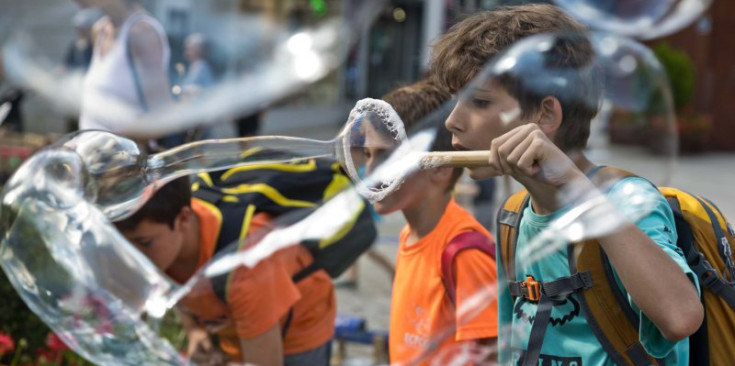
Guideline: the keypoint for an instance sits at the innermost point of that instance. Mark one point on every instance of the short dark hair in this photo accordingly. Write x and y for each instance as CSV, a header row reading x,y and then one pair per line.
x,y
460,54
415,102
163,207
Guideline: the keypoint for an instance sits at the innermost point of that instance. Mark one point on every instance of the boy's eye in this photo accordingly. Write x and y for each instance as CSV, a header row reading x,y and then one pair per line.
x,y
480,103
145,244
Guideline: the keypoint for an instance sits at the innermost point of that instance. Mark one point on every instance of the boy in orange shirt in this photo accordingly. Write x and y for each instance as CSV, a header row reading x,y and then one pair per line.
x,y
425,323
267,317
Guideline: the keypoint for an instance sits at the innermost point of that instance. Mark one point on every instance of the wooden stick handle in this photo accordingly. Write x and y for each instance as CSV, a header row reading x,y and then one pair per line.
x,y
455,159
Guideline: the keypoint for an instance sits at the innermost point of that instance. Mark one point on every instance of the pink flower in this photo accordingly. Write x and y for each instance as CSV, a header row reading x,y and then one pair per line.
x,y
55,343
6,344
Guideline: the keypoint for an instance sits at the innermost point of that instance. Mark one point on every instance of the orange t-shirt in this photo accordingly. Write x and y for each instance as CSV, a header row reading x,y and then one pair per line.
x,y
261,297
420,308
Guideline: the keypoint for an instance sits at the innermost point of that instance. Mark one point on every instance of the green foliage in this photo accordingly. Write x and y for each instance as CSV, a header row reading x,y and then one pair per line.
x,y
680,71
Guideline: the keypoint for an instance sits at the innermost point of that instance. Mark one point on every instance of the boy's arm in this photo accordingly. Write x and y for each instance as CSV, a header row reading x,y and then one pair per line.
x,y
653,280
265,349
655,283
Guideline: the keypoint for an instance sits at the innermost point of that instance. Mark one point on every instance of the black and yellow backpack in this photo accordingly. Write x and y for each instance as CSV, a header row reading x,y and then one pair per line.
x,y
296,189
704,236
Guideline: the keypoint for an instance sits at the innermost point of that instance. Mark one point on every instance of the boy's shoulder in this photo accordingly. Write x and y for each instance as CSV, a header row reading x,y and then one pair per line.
x,y
457,219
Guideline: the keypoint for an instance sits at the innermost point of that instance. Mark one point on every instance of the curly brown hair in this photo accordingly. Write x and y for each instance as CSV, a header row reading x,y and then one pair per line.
x,y
461,53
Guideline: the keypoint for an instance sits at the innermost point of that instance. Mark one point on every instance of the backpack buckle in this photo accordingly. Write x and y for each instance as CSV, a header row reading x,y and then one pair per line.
x,y
531,288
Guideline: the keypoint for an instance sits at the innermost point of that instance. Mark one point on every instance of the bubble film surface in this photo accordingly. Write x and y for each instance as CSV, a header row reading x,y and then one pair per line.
x,y
639,19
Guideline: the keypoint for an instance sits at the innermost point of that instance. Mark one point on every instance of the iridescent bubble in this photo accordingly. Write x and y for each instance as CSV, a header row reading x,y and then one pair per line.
x,y
559,82
118,176
639,19
91,286
253,60
379,155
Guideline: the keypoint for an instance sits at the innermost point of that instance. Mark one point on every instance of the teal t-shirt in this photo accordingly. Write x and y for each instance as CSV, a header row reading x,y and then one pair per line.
x,y
569,340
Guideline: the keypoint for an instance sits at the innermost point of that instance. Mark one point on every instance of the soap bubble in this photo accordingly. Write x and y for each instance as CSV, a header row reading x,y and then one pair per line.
x,y
101,295
639,19
254,60
557,83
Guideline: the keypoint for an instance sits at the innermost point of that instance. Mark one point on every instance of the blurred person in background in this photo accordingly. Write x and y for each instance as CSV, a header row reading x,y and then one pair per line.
x,y
199,74
128,72
79,52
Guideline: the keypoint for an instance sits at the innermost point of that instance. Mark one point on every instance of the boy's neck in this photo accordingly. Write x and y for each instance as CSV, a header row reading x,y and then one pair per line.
x,y
186,262
423,217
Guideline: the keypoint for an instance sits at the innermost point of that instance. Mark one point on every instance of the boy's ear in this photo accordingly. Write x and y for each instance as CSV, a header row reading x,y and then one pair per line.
x,y
550,116
184,219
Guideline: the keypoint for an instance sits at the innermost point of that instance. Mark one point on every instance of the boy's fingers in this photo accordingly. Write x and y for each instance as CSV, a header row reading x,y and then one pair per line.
x,y
528,161
512,144
494,160
516,154
497,157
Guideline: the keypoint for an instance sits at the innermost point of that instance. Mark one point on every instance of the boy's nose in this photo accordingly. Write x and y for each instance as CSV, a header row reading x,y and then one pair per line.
x,y
454,122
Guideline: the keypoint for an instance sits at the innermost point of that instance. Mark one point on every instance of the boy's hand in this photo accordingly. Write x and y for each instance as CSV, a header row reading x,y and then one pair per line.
x,y
200,349
197,341
527,154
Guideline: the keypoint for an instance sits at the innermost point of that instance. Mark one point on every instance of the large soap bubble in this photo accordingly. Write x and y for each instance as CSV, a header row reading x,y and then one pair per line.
x,y
91,286
616,80
60,202
118,176
255,58
379,155
640,19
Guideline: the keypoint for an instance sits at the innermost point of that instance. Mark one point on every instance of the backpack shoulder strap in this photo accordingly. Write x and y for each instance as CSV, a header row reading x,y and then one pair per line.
x,y
234,225
616,328
461,242
508,219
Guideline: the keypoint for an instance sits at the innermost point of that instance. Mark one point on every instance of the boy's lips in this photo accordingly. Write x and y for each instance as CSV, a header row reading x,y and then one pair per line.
x,y
459,147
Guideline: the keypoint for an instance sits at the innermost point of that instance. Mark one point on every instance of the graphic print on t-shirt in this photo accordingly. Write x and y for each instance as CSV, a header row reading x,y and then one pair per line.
x,y
547,360
419,338
562,312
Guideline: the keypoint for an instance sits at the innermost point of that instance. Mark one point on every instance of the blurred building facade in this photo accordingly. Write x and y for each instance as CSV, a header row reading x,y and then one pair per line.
x,y
709,42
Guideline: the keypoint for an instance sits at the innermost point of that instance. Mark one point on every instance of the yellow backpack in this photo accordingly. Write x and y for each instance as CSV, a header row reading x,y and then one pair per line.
x,y
704,236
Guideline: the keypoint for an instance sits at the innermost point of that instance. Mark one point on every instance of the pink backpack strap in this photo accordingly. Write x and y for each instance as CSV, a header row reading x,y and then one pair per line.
x,y
463,241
